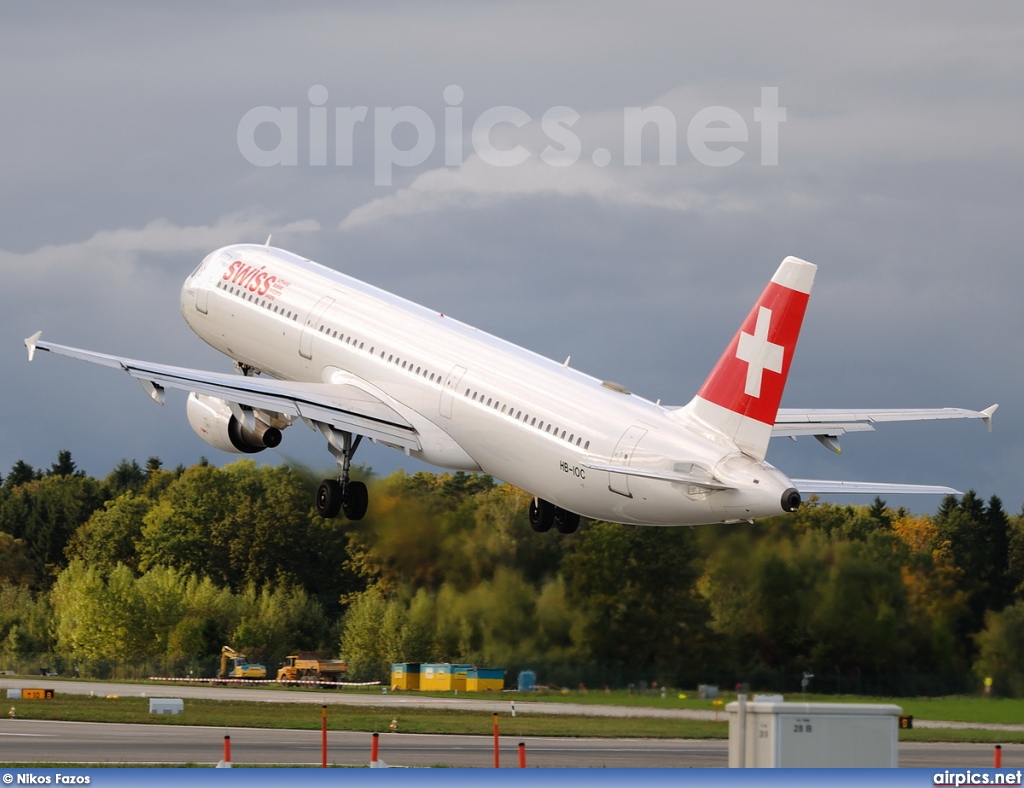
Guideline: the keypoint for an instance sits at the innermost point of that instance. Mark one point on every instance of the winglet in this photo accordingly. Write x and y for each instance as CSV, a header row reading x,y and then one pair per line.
x,y
31,342
986,415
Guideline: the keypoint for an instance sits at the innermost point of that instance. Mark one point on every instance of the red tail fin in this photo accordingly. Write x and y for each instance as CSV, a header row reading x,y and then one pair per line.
x,y
741,396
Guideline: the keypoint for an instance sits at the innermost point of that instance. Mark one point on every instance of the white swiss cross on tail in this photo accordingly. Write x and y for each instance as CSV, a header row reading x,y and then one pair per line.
x,y
740,399
759,353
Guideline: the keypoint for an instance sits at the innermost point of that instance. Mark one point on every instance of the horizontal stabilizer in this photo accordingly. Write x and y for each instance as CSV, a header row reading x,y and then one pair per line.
x,y
827,425
791,421
823,487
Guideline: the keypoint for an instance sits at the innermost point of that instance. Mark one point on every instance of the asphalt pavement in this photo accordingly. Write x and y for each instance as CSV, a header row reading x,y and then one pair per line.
x,y
24,741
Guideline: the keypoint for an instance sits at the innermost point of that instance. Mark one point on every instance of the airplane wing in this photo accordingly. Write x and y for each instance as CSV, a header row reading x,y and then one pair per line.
x,y
344,407
828,425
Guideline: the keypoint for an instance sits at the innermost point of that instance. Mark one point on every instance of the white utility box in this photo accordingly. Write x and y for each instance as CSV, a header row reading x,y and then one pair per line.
x,y
166,706
816,735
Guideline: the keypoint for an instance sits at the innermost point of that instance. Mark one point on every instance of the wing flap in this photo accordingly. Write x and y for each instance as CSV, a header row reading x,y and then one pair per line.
x,y
835,428
342,406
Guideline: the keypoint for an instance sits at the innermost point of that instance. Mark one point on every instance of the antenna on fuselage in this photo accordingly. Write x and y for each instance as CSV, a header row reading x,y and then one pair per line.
x,y
267,244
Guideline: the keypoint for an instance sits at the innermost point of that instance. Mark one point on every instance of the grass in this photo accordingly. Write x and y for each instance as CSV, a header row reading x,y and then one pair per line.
x,y
234,714
975,735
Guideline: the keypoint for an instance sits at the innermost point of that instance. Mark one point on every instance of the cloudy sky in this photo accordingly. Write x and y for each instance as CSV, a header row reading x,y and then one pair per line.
x,y
131,145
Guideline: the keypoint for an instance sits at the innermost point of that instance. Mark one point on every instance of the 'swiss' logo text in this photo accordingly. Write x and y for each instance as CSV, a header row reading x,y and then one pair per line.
x,y
255,280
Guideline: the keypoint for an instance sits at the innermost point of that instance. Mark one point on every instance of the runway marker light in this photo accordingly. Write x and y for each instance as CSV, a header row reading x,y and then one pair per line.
x,y
323,737
497,761
226,763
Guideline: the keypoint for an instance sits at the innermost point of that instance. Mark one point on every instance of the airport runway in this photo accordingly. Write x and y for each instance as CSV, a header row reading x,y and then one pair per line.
x,y
37,741
106,743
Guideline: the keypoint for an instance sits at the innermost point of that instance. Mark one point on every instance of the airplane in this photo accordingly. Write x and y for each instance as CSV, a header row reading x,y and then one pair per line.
x,y
353,361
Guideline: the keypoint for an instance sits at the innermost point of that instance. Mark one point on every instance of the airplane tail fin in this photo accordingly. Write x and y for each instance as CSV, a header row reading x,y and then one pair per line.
x,y
740,399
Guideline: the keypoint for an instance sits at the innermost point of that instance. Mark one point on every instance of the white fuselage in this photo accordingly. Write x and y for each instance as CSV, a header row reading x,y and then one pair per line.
x,y
478,403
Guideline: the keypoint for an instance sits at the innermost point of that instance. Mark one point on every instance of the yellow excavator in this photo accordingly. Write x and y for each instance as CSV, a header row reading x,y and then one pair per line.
x,y
234,666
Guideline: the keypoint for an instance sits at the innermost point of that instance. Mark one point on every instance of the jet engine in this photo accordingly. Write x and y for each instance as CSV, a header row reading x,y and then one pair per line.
x,y
212,420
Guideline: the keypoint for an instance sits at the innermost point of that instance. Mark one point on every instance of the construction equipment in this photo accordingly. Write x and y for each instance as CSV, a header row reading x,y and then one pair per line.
x,y
308,667
239,668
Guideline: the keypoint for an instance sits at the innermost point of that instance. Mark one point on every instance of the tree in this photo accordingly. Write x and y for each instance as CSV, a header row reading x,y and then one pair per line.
x,y
126,477
761,591
1001,650
21,473
978,538
64,466
24,621
637,587
859,613
15,563
936,602
99,617
362,642
278,621
45,513
112,534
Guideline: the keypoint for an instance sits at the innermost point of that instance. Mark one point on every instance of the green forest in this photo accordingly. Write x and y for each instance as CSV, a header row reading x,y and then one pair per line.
x,y
157,567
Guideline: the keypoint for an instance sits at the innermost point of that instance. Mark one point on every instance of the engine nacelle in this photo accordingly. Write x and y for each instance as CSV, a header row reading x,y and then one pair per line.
x,y
212,420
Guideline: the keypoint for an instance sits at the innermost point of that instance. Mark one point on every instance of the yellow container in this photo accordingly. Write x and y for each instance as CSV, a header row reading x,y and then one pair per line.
x,y
443,676
484,685
485,680
405,676
436,677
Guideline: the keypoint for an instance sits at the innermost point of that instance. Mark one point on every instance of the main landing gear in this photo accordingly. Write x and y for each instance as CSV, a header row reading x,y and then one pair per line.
x,y
342,494
543,515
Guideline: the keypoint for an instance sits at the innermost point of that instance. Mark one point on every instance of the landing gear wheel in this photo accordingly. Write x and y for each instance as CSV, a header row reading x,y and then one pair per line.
x,y
566,522
329,498
355,500
342,495
542,515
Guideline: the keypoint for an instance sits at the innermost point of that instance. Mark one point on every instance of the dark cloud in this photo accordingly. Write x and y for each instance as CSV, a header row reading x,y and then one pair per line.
x,y
899,174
